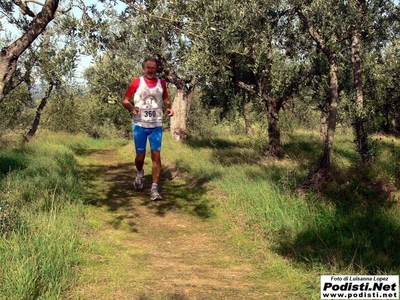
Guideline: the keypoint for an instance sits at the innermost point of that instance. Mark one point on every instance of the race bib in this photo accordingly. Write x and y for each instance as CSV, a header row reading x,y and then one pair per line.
x,y
148,114
150,111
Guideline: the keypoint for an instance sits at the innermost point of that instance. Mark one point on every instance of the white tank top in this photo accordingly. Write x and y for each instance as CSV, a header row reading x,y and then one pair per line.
x,y
150,103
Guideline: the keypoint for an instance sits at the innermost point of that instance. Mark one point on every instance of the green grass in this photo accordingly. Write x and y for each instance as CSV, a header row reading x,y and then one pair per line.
x,y
41,215
353,227
38,261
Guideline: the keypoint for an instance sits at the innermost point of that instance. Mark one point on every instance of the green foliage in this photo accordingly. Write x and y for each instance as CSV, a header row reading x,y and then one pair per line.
x,y
14,111
78,113
382,90
202,119
220,43
111,88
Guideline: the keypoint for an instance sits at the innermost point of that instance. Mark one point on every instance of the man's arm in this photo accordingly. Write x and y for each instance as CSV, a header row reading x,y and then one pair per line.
x,y
168,109
167,102
129,93
129,106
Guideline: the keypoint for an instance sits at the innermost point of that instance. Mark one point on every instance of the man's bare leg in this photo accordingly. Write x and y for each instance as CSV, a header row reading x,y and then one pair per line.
x,y
156,159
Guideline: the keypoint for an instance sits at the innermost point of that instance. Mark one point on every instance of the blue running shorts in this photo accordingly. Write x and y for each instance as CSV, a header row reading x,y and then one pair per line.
x,y
140,135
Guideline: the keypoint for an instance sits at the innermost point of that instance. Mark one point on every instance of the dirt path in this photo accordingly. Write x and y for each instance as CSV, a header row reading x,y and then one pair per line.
x,y
138,249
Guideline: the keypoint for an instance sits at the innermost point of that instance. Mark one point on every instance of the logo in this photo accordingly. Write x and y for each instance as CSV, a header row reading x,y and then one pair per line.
x,y
359,287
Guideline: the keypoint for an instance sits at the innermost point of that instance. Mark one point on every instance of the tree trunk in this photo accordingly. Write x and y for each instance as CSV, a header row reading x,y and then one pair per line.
x,y
334,101
181,107
247,123
274,131
359,126
9,55
8,65
324,125
182,100
38,115
272,104
317,178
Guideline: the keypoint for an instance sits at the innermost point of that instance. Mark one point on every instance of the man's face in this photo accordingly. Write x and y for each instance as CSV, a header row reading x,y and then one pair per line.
x,y
150,69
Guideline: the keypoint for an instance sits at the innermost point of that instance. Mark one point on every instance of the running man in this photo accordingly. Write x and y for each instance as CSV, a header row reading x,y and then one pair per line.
x,y
149,94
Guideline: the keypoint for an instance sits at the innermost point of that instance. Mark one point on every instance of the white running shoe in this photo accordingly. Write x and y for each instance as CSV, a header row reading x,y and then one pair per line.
x,y
138,183
155,195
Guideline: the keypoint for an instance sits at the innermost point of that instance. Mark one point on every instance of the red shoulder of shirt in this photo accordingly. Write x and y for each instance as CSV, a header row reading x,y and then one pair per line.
x,y
150,83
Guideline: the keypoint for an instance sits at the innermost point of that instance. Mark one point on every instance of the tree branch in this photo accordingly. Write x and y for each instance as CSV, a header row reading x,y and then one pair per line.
x,y
248,87
25,9
314,33
16,83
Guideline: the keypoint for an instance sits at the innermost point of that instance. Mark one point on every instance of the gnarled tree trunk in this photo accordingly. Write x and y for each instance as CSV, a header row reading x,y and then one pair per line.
x,y
183,98
323,131
317,177
9,55
246,115
181,107
274,129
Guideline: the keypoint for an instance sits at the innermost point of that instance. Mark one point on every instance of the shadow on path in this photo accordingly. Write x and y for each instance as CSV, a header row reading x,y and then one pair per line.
x,y
110,184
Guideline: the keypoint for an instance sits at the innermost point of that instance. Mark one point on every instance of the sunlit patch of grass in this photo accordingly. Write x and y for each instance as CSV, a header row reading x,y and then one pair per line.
x,y
105,257
11,139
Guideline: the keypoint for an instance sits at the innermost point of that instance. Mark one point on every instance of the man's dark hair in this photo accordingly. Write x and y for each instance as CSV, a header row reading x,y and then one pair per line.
x,y
150,59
